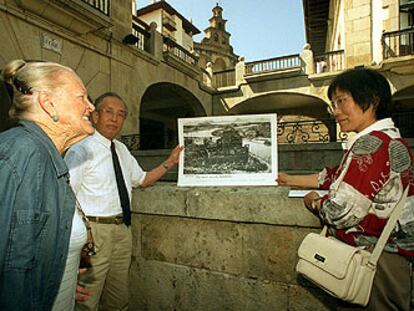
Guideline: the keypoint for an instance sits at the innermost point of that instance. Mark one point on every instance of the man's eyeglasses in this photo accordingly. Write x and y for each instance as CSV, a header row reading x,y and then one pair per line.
x,y
337,103
119,114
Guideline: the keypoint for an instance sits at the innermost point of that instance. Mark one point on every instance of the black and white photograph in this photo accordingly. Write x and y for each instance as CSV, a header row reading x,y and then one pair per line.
x,y
228,150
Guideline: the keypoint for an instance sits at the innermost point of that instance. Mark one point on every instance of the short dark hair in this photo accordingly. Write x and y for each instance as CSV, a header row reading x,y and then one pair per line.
x,y
367,87
99,100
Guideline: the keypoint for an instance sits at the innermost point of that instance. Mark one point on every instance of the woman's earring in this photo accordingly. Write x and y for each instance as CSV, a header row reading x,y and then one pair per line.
x,y
55,118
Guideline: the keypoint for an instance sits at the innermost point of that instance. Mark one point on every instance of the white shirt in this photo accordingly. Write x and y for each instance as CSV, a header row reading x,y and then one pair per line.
x,y
92,174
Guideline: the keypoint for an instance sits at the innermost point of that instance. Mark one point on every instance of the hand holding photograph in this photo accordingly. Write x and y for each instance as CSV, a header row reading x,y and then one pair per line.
x,y
228,150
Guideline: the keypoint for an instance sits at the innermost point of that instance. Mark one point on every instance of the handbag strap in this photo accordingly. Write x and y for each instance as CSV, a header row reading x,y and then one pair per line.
x,y
389,227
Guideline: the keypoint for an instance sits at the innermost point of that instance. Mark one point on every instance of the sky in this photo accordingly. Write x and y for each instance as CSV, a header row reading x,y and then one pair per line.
x,y
260,29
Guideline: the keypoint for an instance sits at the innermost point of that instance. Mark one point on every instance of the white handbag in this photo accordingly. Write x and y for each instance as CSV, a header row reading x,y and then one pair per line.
x,y
344,271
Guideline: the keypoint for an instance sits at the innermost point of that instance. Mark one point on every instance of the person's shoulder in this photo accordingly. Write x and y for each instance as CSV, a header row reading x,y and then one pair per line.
x,y
20,150
400,155
17,142
84,145
369,143
121,146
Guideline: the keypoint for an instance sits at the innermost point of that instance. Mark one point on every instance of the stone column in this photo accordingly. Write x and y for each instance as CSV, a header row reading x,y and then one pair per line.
x,y
156,43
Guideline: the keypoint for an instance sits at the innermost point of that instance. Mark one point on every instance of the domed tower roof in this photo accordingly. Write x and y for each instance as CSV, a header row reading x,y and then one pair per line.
x,y
217,10
215,47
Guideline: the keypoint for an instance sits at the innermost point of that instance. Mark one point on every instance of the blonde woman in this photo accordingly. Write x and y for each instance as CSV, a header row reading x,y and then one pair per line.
x,y
37,206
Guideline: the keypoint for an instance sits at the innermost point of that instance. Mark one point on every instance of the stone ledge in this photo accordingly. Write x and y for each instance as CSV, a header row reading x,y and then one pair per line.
x,y
265,205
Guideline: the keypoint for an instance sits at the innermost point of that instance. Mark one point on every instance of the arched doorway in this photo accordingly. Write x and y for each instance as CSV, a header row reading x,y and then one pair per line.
x,y
162,104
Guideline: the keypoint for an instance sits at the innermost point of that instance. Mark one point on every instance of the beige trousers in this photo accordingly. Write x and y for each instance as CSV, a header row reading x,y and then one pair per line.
x,y
391,289
109,275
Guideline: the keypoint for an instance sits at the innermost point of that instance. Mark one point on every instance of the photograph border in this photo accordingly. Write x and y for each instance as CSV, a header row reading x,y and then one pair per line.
x,y
232,179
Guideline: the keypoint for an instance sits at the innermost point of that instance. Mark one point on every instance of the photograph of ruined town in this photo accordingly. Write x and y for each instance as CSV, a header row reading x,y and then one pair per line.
x,y
230,150
181,129
236,145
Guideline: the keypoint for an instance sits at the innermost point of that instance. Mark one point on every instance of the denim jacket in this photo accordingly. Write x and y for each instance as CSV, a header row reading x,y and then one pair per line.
x,y
36,209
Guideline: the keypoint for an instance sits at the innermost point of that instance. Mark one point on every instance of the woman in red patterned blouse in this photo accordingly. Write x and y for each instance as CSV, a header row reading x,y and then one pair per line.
x,y
364,188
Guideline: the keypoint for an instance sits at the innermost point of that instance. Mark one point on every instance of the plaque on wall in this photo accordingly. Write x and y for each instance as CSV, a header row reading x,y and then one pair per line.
x,y
228,150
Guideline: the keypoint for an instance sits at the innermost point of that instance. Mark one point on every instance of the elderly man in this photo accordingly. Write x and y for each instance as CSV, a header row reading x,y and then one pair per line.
x,y
103,173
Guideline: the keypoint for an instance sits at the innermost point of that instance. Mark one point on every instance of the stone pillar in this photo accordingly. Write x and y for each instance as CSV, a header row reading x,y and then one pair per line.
x,y
307,57
156,43
240,71
122,18
358,33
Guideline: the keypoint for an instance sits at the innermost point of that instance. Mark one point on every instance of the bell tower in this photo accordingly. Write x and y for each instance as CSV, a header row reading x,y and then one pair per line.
x,y
215,46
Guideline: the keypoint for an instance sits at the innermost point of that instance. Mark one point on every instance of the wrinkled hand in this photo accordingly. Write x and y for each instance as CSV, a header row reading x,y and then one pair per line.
x,y
309,201
174,156
81,293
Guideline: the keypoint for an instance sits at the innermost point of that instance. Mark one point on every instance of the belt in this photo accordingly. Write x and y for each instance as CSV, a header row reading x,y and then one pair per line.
x,y
116,220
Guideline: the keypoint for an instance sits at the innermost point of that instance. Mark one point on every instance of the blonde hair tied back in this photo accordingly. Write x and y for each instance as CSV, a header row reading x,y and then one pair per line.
x,y
25,78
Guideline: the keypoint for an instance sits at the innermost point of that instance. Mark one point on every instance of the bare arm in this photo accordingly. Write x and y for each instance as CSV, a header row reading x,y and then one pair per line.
x,y
299,181
159,171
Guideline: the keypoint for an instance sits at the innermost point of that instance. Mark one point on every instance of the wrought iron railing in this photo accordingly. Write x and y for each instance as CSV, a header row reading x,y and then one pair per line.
x,y
398,43
274,64
172,47
101,5
312,131
142,35
132,141
224,78
330,61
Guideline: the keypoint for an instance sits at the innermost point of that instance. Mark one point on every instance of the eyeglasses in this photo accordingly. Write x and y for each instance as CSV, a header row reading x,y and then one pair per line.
x,y
119,114
337,103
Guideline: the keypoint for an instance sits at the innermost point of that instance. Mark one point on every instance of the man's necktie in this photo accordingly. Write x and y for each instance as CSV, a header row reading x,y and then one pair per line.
x,y
122,190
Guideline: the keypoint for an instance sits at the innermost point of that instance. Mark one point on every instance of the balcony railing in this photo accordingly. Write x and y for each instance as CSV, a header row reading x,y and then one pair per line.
x,y
313,131
177,50
329,61
100,5
303,132
132,141
325,131
224,78
274,64
142,35
398,43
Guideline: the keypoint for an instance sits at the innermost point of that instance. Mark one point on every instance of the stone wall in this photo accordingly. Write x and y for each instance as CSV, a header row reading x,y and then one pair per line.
x,y
225,248
228,248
